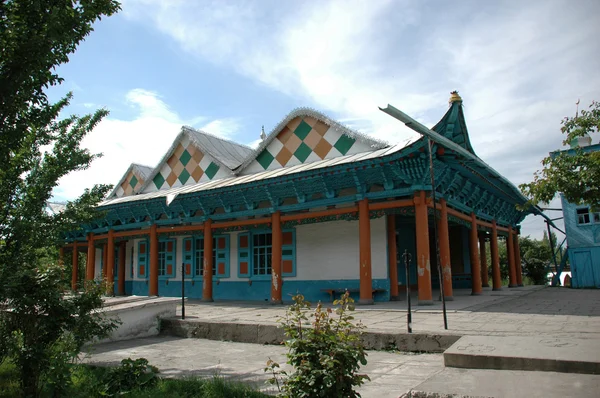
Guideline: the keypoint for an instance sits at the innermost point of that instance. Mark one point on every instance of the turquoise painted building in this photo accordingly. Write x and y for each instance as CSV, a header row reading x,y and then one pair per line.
x,y
316,208
582,227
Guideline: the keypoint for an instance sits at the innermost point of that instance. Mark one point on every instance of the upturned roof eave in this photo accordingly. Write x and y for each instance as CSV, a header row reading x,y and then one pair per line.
x,y
445,142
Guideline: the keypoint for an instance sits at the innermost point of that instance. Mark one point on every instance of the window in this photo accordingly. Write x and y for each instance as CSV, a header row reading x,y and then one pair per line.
x,y
199,257
255,250
166,258
584,216
193,256
261,253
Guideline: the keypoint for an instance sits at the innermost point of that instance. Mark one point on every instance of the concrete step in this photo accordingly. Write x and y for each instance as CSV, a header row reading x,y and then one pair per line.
x,y
525,353
471,383
272,334
112,301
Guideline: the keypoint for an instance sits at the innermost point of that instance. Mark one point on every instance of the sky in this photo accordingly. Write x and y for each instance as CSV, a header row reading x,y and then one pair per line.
x,y
231,67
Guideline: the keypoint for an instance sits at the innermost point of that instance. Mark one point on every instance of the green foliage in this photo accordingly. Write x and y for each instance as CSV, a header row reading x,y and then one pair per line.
x,y
90,381
325,356
574,173
9,380
43,330
536,256
132,375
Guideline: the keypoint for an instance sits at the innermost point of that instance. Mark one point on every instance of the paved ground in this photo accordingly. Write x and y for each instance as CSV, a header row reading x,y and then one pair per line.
x,y
509,383
527,311
392,374
524,311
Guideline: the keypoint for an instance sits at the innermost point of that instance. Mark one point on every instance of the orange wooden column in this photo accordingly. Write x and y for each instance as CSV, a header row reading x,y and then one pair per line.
x,y
444,238
364,236
276,258
392,256
423,260
121,276
75,267
475,265
104,260
496,277
153,286
483,259
512,274
518,264
207,269
91,259
110,264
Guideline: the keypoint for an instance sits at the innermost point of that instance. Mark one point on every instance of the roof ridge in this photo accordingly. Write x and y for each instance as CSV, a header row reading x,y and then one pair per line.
x,y
215,136
139,164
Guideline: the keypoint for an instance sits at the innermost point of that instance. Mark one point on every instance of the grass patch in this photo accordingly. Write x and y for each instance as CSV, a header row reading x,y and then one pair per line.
x,y
9,380
90,381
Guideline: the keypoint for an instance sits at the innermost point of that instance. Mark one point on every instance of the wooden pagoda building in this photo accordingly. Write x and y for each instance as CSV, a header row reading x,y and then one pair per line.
x,y
317,208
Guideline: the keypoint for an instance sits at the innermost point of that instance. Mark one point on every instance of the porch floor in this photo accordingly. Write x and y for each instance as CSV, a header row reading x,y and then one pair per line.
x,y
522,311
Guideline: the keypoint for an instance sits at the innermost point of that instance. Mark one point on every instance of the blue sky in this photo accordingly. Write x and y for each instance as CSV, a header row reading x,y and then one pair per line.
x,y
229,67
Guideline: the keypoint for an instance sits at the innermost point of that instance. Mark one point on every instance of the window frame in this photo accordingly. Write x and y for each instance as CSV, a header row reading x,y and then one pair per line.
x,y
593,217
288,253
197,261
162,256
267,254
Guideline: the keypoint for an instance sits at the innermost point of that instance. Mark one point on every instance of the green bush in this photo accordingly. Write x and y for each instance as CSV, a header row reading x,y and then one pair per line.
x,y
325,356
132,375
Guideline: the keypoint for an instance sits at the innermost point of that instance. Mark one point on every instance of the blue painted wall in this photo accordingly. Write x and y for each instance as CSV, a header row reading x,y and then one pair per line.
x,y
128,287
579,235
585,267
139,288
260,290
583,241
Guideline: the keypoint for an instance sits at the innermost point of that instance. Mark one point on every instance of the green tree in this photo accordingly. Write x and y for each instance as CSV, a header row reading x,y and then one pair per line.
x,y
574,173
536,256
37,148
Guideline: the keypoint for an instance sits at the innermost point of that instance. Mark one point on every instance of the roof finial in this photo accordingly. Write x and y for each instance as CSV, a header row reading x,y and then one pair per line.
x,y
454,97
262,133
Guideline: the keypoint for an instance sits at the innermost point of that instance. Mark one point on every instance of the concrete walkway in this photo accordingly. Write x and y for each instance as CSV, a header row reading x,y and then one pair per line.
x,y
392,374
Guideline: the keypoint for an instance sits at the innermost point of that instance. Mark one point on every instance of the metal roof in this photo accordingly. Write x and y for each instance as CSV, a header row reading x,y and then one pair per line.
x,y
140,169
170,194
144,171
225,153
230,153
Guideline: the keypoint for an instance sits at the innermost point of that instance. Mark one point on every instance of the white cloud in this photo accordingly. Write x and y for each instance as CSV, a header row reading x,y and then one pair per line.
x,y
225,128
144,140
519,66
